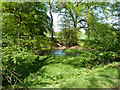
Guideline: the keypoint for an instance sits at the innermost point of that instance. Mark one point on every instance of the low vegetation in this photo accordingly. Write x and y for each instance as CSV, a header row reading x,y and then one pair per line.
x,y
34,71
29,43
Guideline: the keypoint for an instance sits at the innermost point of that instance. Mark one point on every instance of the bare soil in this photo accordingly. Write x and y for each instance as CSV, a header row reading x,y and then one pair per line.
x,y
64,47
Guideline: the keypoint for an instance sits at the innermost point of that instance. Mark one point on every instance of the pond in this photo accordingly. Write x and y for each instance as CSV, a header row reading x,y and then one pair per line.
x,y
59,52
62,53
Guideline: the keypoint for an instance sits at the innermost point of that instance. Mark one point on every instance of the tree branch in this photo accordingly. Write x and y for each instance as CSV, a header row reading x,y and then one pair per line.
x,y
82,20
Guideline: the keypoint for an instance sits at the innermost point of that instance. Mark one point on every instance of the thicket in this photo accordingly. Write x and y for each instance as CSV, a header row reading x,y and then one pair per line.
x,y
24,39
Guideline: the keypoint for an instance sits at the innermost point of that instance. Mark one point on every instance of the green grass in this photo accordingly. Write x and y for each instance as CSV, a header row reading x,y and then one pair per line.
x,y
69,72
66,76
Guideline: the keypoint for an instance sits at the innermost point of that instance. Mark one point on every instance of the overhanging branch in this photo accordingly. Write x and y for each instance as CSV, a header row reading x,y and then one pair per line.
x,y
82,20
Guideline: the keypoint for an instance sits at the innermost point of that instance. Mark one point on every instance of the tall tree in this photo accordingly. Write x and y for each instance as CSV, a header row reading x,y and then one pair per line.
x,y
75,10
67,33
51,17
26,18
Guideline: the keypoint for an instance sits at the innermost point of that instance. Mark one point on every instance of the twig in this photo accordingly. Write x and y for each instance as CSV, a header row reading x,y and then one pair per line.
x,y
8,79
14,83
15,73
16,77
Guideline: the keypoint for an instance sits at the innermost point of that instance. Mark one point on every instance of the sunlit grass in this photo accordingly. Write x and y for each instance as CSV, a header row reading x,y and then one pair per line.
x,y
67,72
66,76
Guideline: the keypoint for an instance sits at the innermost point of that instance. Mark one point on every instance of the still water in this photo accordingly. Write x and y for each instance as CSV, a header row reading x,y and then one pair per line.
x,y
62,53
59,52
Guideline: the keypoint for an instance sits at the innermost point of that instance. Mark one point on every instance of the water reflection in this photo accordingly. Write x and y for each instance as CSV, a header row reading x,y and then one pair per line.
x,y
59,52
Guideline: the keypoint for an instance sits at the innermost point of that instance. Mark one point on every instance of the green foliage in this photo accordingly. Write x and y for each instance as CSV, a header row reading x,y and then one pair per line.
x,y
104,41
67,37
103,38
37,44
12,58
29,22
24,25
71,21
25,18
66,76
55,71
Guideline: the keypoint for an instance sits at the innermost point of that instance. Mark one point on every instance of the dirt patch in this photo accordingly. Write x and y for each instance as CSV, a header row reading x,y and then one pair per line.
x,y
64,47
76,47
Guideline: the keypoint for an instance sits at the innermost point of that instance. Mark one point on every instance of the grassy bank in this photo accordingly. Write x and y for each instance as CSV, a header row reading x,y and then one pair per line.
x,y
67,72
66,76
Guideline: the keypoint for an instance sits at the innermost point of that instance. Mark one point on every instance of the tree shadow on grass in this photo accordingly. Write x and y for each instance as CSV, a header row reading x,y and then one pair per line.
x,y
93,82
108,78
25,69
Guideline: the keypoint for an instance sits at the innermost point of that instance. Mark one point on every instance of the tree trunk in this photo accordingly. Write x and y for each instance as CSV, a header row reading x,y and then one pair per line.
x,y
75,30
19,23
51,22
88,30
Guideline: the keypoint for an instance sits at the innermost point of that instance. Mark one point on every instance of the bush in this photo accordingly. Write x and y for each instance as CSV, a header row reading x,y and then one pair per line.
x,y
15,59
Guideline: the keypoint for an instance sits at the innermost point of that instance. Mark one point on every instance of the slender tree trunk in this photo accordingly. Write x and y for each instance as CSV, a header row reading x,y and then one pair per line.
x,y
69,35
51,23
20,19
88,30
75,30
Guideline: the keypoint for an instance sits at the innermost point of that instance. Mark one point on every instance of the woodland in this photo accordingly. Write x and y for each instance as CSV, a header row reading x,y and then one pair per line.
x,y
35,56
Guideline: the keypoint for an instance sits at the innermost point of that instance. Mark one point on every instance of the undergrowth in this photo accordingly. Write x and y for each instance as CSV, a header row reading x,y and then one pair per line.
x,y
81,71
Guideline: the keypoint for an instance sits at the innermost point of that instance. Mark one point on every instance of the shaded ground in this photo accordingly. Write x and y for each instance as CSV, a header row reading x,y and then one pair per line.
x,y
60,75
67,72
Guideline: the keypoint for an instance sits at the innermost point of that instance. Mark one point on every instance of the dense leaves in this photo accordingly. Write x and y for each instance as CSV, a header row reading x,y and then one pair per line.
x,y
27,50
27,19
